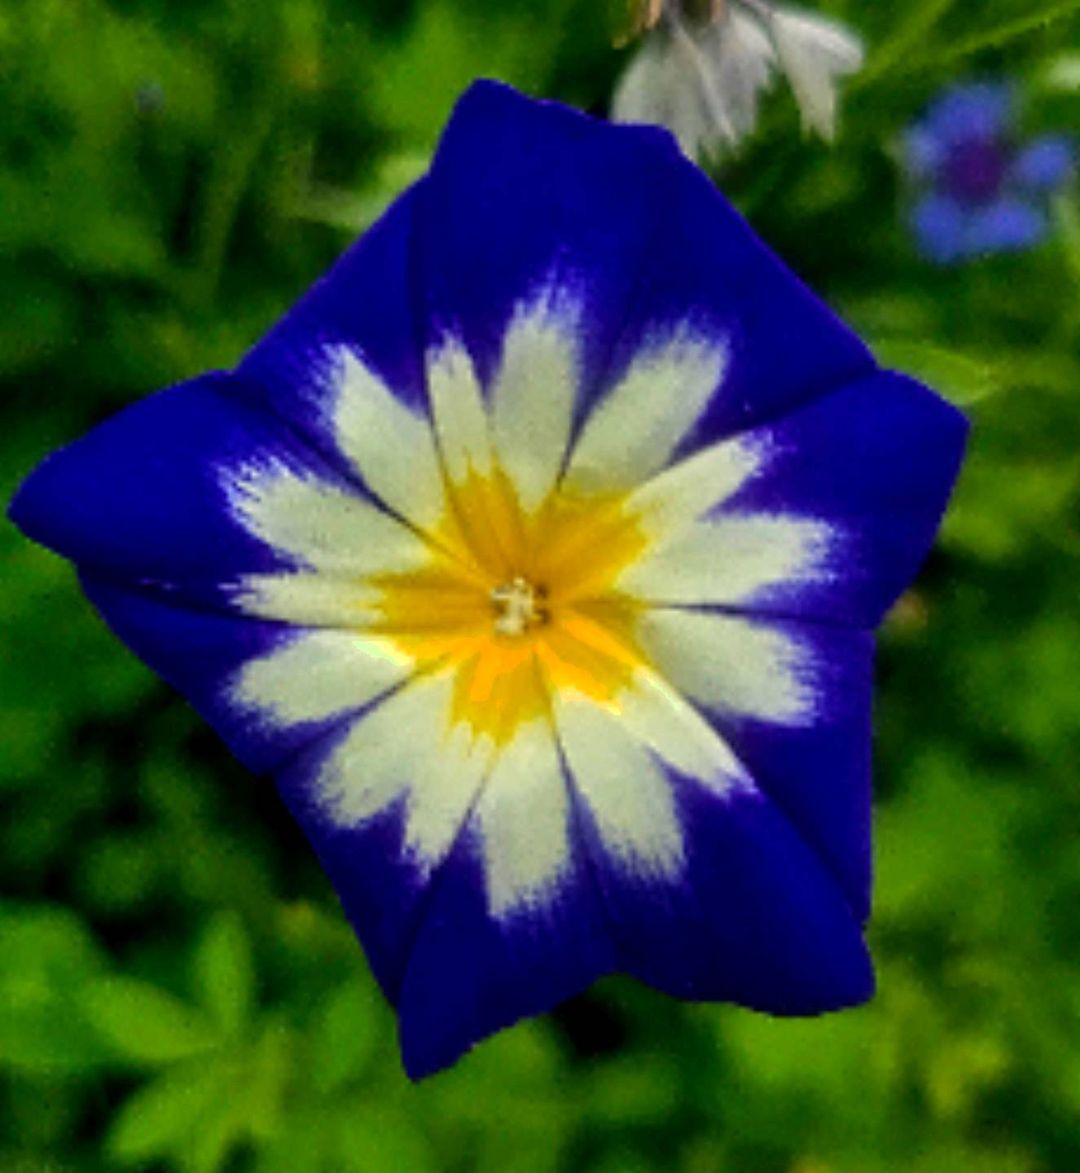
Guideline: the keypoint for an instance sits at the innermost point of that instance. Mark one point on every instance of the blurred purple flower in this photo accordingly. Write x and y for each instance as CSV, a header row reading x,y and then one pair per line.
x,y
981,190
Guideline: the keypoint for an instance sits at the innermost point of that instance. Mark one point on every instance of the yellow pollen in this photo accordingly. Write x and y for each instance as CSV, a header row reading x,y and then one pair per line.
x,y
518,606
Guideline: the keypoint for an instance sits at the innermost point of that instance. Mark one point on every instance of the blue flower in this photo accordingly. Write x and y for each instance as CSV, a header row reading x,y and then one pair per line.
x,y
981,191
536,554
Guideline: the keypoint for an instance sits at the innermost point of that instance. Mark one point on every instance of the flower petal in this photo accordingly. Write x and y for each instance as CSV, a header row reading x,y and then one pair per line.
x,y
733,561
383,797
792,701
143,496
1007,225
334,539
684,492
740,59
923,152
366,307
318,524
668,83
205,499
836,519
750,916
530,198
633,431
980,110
1045,163
318,675
458,412
533,394
386,443
625,790
369,864
701,83
504,925
940,226
471,973
207,655
523,816
814,52
732,663
344,368
407,748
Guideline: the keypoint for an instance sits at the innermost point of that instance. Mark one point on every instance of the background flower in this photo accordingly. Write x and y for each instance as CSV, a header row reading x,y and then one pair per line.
x,y
541,578
701,73
982,189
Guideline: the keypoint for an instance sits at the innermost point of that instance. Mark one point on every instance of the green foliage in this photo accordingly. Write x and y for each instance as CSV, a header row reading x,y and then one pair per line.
x,y
178,990
49,958
224,973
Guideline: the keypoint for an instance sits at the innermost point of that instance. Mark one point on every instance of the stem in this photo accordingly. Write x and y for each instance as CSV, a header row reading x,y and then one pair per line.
x,y
1008,31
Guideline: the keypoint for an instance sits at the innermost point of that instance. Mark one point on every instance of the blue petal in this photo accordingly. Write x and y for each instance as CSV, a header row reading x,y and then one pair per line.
x,y
368,302
198,653
1045,163
455,972
818,773
381,893
140,498
471,974
940,226
521,193
876,462
981,110
924,152
754,918
1007,225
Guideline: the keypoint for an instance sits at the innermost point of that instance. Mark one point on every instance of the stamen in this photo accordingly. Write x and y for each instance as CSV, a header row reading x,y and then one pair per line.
x,y
518,606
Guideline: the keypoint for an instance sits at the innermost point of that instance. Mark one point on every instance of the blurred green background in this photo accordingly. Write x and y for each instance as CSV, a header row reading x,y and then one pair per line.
x,y
178,990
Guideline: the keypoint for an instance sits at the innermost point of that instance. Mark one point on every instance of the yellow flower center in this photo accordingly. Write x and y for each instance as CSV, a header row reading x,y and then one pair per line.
x,y
519,604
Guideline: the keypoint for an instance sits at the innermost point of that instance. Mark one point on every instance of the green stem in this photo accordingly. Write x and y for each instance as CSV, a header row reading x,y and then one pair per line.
x,y
1000,35
903,41
228,179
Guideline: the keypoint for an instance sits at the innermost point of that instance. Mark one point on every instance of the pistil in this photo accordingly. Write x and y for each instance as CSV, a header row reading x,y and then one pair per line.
x,y
518,607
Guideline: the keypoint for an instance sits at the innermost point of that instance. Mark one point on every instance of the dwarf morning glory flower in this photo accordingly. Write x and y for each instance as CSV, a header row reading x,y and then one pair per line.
x,y
536,553
701,71
982,191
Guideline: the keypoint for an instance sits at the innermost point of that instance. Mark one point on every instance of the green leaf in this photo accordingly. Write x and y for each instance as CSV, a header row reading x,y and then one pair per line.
x,y
910,32
1067,218
201,1109
448,47
219,1132
631,1092
224,973
1062,74
305,1144
265,1079
166,1114
144,1024
378,1140
345,1036
251,1106
1035,18
48,956
961,378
